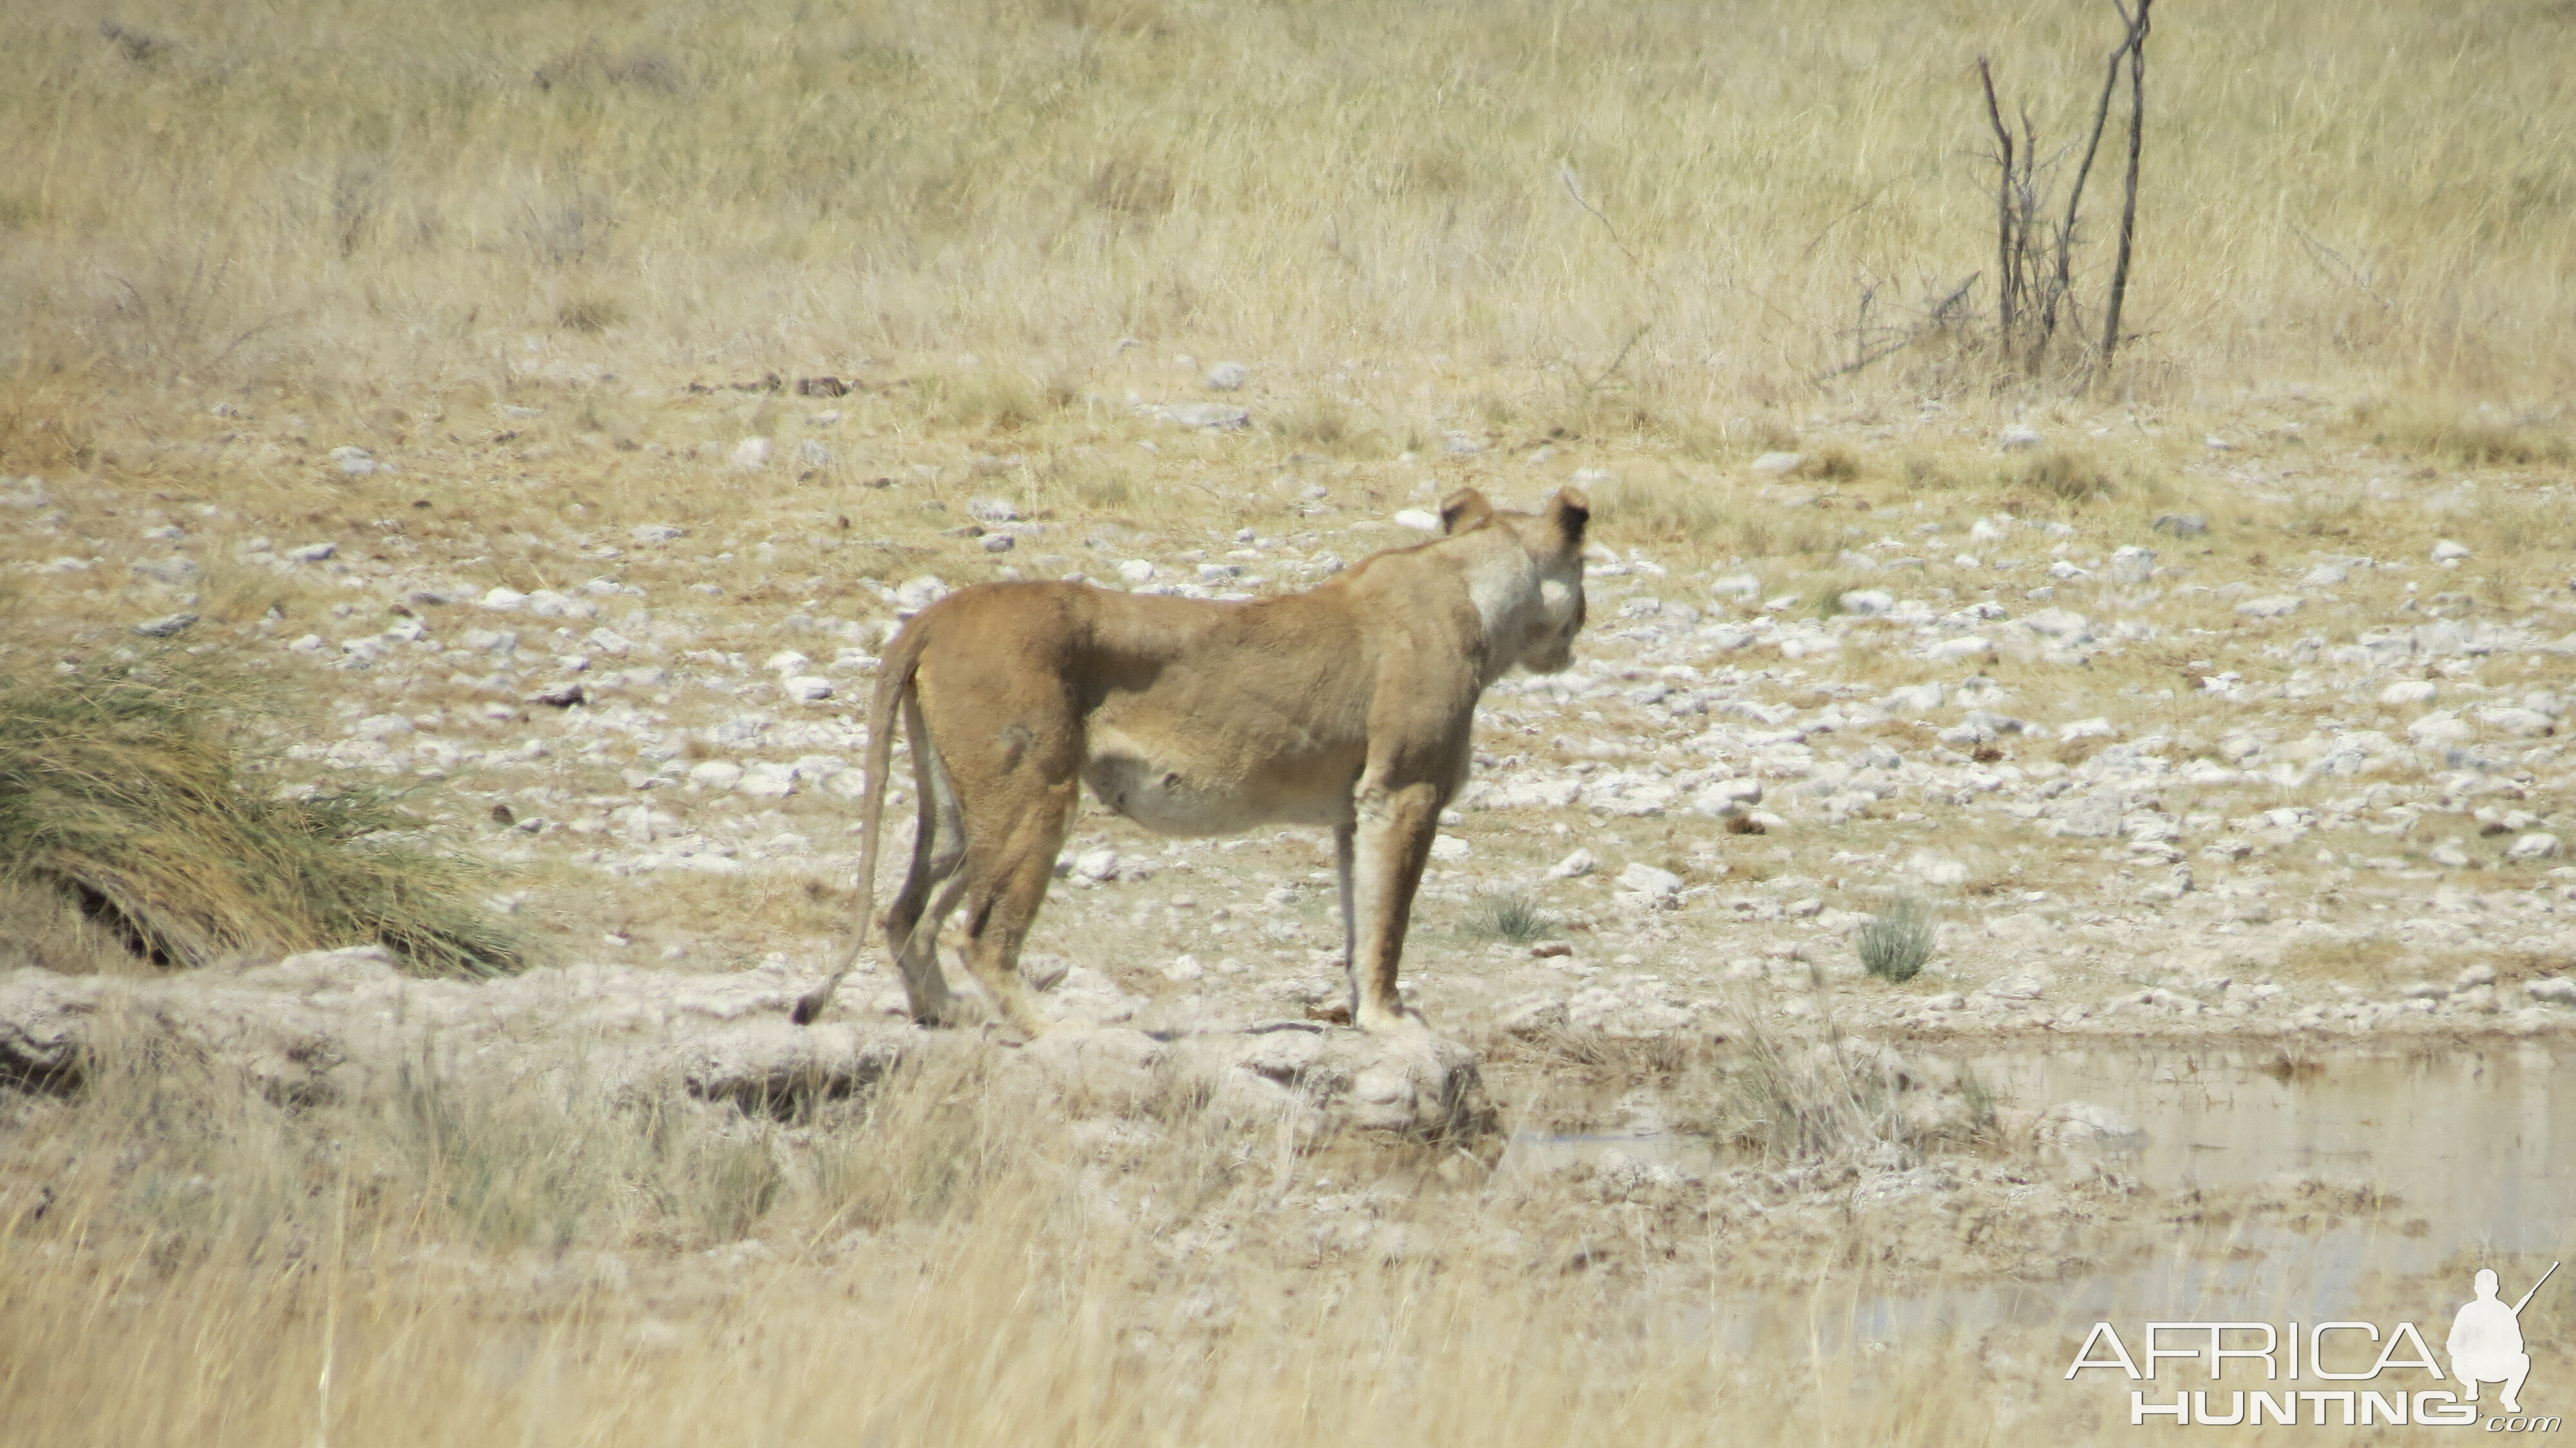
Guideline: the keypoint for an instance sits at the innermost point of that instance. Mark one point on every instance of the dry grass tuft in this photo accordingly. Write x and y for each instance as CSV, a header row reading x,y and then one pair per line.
x,y
1320,419
1664,506
1833,463
129,792
2465,441
1831,1100
2059,476
590,313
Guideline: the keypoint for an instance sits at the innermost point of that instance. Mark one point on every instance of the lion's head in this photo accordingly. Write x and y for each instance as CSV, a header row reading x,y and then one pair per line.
x,y
1530,600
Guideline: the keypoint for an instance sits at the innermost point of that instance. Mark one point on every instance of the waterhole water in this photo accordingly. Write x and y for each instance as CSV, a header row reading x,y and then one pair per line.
x,y
2470,1147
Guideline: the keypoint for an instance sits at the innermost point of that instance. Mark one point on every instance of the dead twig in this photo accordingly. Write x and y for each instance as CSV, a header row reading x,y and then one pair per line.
x,y
2336,265
2137,47
245,334
1574,188
2083,172
2007,270
1621,359
1942,316
1855,209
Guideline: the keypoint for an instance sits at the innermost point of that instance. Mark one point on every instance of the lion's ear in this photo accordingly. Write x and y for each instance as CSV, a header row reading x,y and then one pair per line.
x,y
1464,509
1570,512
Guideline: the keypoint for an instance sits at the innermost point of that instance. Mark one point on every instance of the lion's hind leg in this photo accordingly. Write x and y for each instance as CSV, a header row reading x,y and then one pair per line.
x,y
1007,884
1012,755
939,850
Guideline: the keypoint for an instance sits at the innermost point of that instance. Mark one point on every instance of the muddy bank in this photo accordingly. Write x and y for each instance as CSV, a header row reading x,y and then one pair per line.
x,y
1672,1165
333,1026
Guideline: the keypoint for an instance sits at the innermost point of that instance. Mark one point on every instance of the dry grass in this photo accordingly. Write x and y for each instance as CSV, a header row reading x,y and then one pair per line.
x,y
185,1261
129,792
2466,441
385,199
2057,478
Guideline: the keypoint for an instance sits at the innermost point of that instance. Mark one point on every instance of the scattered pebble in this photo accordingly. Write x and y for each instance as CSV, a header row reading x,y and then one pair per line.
x,y
167,625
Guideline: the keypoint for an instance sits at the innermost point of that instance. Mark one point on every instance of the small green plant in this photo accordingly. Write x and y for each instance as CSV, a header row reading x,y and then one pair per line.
x,y
1895,942
1509,916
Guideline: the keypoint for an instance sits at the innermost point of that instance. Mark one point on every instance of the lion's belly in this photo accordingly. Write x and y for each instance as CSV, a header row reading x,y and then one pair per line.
x,y
1167,797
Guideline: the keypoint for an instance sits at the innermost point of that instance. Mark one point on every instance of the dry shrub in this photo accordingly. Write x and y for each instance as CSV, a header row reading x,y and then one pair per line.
x,y
1783,1099
1834,463
1922,472
995,399
2060,475
132,792
2466,441
1665,507
590,313
1325,421
1126,186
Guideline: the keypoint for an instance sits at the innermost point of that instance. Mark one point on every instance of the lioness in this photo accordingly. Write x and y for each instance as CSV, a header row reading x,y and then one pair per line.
x,y
1348,705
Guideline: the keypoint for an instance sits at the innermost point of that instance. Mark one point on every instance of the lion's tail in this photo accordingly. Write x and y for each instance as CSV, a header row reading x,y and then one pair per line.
x,y
902,661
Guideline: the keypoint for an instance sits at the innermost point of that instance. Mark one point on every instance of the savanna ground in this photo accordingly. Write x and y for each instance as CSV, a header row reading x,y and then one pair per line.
x,y
635,351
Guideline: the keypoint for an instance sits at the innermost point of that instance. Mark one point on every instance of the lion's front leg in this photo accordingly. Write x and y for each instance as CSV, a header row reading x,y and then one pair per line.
x,y
1390,843
1345,850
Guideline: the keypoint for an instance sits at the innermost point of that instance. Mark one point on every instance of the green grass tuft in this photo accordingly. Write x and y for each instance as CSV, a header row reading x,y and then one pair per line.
x,y
1896,942
1509,916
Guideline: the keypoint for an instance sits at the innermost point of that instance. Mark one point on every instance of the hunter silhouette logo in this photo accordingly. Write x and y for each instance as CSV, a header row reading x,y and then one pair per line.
x,y
2364,1375
2486,1341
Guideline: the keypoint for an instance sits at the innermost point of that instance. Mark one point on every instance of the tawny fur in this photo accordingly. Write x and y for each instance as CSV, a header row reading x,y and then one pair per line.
x,y
1349,705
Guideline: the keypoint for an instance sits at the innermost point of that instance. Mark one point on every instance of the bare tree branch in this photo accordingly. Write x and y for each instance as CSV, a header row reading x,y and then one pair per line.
x,y
2005,271
1940,317
2075,194
2129,196
2336,265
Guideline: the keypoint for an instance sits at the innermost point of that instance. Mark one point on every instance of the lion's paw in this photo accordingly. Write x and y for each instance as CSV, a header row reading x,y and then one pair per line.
x,y
1400,1024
